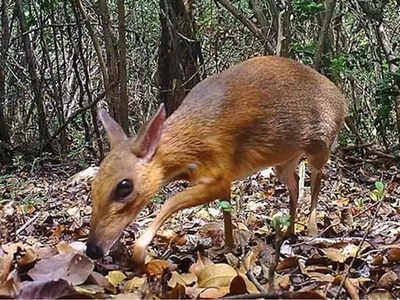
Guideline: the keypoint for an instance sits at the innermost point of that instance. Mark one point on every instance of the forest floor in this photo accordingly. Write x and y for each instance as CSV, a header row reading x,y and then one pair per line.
x,y
45,215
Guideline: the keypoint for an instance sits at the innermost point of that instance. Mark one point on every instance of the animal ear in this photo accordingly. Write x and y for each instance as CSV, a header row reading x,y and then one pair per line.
x,y
114,132
148,138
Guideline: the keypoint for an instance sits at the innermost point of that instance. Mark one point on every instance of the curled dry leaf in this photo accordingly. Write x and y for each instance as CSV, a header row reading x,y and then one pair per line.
x,y
156,267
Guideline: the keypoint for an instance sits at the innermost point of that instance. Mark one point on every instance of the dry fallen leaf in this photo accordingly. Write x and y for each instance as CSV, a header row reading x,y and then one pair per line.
x,y
388,279
115,277
335,255
156,267
237,286
183,279
133,284
380,294
200,264
47,289
289,262
283,281
178,292
394,255
72,267
28,256
216,275
90,290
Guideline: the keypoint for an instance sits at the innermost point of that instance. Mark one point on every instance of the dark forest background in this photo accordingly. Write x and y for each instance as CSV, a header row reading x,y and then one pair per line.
x,y
60,59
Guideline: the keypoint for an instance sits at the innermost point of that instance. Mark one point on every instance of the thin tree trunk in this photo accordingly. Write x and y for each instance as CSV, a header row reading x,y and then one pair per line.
x,y
35,83
323,35
122,66
4,130
179,53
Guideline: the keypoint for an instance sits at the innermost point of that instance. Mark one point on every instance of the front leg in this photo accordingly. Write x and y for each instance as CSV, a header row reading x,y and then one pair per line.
x,y
204,192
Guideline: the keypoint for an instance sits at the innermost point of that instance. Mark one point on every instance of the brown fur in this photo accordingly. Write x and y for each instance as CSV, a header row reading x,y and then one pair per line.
x,y
266,111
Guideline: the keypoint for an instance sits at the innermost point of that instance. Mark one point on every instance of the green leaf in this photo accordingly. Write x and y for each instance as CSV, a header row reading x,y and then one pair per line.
x,y
379,186
373,196
225,205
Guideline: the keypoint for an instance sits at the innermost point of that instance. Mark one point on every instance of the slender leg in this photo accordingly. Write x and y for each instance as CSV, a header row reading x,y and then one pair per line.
x,y
317,161
287,175
201,193
316,176
228,228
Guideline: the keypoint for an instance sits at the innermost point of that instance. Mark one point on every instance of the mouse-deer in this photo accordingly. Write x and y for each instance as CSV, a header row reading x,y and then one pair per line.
x,y
266,111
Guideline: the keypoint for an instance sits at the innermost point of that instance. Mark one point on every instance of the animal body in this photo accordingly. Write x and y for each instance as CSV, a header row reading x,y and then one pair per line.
x,y
266,111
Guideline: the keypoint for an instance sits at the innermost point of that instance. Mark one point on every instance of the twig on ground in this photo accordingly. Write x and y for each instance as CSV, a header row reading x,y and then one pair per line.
x,y
253,279
29,222
316,237
367,209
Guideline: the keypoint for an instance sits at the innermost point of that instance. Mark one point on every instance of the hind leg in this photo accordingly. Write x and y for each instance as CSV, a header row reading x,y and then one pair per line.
x,y
317,160
287,174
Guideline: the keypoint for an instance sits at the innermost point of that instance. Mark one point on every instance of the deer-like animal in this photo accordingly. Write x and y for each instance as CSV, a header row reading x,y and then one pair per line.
x,y
266,111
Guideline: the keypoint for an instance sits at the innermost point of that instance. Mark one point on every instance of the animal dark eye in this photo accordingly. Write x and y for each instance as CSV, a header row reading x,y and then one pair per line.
x,y
124,188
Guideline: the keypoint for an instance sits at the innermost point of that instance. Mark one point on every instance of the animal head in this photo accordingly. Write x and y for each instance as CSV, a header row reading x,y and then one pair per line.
x,y
127,180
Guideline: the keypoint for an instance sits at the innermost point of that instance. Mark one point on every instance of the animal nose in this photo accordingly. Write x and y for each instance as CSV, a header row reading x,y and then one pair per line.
x,y
94,251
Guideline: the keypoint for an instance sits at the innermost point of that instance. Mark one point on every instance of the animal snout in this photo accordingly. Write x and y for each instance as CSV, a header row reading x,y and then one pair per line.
x,y
94,251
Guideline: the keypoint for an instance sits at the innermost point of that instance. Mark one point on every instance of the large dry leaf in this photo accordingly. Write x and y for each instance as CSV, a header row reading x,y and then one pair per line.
x,y
72,267
47,289
216,275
